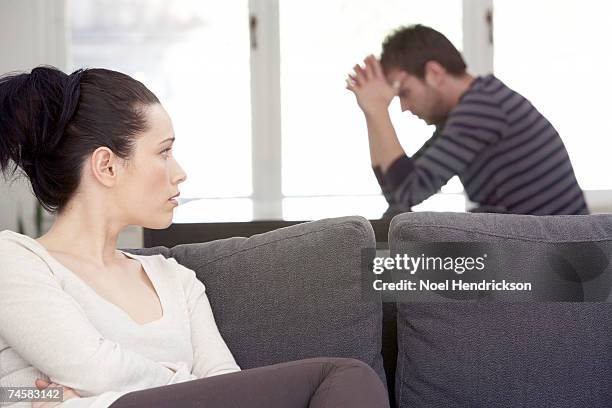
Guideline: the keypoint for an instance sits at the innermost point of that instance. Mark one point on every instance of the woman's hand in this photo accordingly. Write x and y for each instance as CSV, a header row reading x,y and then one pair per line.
x,y
68,394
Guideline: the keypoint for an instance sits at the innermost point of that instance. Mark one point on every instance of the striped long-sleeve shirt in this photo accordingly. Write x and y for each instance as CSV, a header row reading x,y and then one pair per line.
x,y
505,152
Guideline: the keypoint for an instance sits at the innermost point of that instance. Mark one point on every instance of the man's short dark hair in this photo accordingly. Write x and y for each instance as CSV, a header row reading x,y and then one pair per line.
x,y
410,48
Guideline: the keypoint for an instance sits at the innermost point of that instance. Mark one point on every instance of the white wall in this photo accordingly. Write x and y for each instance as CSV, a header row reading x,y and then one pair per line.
x,y
31,33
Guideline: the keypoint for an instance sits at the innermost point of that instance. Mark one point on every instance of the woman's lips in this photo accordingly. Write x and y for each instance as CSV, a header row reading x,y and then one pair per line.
x,y
174,199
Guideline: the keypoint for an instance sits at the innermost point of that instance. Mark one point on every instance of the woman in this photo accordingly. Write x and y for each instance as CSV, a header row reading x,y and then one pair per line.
x,y
109,327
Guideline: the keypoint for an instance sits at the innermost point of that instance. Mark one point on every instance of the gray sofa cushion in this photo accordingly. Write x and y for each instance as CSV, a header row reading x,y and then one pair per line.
x,y
290,294
503,354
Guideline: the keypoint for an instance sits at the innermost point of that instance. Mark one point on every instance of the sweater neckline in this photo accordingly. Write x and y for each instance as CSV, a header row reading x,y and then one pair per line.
x,y
42,250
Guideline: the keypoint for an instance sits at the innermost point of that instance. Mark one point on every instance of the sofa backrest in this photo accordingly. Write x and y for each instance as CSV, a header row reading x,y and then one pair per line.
x,y
553,354
290,294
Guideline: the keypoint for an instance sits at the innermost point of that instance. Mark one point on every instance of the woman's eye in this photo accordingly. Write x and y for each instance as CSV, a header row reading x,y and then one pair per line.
x,y
166,152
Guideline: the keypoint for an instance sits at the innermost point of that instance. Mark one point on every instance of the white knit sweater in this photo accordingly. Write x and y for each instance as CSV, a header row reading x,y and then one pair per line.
x,y
55,326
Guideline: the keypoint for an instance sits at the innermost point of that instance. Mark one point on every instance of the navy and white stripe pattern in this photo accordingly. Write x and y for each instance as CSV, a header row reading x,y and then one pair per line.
x,y
505,152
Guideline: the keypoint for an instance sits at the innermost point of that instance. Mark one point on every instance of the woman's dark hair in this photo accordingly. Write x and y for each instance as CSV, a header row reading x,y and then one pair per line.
x,y
410,48
50,122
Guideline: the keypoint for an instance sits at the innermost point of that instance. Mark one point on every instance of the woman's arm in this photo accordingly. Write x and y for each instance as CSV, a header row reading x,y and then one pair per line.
x,y
49,329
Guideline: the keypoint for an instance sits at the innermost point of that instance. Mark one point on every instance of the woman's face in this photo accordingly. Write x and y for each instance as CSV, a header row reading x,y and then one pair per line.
x,y
152,175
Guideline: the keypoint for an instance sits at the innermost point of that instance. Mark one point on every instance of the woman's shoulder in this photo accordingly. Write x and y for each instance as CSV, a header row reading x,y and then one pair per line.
x,y
166,265
174,274
8,235
15,244
20,255
157,260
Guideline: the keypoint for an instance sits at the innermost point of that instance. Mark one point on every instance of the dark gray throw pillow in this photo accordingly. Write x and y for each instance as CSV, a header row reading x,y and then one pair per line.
x,y
546,354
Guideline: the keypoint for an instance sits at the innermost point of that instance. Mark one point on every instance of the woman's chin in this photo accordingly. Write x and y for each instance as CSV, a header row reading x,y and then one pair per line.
x,y
161,222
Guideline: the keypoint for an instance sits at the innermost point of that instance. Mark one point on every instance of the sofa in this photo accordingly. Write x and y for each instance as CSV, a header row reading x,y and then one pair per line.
x,y
297,292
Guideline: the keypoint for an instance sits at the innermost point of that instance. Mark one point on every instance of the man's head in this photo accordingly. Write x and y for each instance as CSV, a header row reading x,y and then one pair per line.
x,y
426,66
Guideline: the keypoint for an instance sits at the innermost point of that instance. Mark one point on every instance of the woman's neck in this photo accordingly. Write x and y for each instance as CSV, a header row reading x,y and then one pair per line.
x,y
85,235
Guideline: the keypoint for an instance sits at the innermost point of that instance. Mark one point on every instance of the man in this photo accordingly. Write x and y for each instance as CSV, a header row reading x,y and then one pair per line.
x,y
507,155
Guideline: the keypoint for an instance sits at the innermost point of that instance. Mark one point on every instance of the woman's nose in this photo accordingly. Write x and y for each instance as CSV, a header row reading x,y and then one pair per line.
x,y
180,175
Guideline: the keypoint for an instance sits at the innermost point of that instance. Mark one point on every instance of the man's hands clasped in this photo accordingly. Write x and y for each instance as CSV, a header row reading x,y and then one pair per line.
x,y
370,86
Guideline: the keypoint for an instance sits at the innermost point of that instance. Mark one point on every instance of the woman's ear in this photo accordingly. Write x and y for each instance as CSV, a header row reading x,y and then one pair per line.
x,y
104,166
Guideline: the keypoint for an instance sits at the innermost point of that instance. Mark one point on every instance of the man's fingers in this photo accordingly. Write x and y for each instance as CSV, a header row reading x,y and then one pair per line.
x,y
350,85
377,68
360,75
367,72
374,67
370,67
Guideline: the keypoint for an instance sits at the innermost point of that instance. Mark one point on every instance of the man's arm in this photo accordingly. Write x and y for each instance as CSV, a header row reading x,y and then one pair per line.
x,y
411,180
383,139
374,95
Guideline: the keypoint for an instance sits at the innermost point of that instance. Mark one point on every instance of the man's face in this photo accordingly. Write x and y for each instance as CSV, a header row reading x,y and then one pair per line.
x,y
418,97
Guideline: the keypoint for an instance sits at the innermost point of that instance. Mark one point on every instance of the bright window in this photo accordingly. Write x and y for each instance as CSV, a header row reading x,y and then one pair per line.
x,y
324,136
194,55
556,54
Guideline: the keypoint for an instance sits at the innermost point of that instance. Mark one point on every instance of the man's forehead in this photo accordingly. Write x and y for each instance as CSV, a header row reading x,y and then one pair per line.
x,y
395,75
393,72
